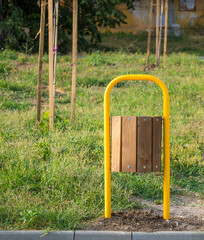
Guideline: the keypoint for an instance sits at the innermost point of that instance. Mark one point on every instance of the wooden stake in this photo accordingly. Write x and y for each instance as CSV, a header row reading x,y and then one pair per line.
x,y
74,59
157,32
55,46
150,30
160,30
40,59
50,27
165,30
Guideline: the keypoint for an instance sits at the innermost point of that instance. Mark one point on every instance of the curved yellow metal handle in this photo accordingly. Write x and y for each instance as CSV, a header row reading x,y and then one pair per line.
x,y
166,186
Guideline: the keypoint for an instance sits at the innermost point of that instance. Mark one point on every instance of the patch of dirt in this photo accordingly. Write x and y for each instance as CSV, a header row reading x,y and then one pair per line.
x,y
187,214
61,91
22,66
183,206
151,66
58,91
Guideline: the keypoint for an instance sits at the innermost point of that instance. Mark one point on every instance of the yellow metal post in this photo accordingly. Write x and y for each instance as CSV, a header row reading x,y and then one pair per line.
x,y
166,186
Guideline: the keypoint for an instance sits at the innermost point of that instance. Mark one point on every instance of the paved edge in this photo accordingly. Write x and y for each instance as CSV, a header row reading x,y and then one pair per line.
x,y
102,235
168,236
98,235
36,235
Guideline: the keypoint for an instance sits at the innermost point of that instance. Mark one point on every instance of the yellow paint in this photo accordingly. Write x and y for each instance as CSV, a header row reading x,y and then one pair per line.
x,y
107,169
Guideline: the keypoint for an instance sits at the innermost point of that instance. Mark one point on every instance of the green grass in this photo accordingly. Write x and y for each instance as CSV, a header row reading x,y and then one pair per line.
x,y
55,180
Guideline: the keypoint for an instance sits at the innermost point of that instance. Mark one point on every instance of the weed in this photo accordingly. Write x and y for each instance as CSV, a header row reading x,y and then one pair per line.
x,y
5,68
23,58
13,105
6,55
28,217
97,59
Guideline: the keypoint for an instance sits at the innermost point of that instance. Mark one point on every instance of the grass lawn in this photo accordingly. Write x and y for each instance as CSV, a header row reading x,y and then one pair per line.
x,y
55,180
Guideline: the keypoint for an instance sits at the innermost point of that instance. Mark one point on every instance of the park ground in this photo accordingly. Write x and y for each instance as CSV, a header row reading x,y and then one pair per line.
x,y
55,180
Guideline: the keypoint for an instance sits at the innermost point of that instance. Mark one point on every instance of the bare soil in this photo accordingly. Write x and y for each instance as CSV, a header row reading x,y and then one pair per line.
x,y
187,214
25,65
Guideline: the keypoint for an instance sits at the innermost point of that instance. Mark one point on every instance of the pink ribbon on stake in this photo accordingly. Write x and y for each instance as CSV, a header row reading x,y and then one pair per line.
x,y
55,50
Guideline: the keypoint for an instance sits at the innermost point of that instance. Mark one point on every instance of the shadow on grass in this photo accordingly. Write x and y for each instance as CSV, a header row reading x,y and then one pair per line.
x,y
191,44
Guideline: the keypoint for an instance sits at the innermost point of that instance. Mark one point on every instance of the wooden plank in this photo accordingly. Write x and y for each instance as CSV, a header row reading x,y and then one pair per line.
x,y
51,99
150,30
156,146
116,144
128,144
74,58
40,59
144,144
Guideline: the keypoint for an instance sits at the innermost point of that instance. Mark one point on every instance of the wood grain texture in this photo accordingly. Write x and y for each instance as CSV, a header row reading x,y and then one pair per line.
x,y
160,30
74,58
128,144
51,97
165,30
40,59
144,144
150,30
156,146
157,31
56,14
116,164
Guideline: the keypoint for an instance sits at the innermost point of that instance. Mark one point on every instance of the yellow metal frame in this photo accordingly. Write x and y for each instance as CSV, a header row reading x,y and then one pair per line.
x,y
166,186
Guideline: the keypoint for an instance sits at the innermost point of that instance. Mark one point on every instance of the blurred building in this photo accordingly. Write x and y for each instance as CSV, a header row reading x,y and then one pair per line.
x,y
182,14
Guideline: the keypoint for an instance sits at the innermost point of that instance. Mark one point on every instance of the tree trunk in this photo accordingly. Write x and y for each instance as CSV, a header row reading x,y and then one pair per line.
x,y
150,30
165,31
40,59
74,59
157,32
160,31
55,46
51,102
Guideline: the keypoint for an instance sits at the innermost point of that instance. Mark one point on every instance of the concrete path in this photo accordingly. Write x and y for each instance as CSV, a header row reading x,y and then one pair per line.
x,y
99,235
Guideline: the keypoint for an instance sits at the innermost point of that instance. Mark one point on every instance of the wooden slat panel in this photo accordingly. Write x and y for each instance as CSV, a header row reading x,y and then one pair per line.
x,y
128,144
156,150
144,143
116,144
